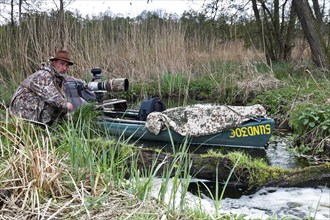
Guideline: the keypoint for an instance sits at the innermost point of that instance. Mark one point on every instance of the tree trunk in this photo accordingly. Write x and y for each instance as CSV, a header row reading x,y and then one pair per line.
x,y
312,32
261,31
273,29
63,32
317,11
12,21
20,3
288,45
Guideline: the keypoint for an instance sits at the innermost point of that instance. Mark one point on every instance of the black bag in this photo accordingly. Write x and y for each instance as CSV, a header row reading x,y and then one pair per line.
x,y
150,105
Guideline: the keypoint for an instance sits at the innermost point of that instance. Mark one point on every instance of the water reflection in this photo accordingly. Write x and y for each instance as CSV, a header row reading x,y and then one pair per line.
x,y
202,149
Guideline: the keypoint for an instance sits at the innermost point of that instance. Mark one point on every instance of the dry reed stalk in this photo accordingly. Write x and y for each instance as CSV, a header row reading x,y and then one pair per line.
x,y
32,164
31,170
113,205
254,83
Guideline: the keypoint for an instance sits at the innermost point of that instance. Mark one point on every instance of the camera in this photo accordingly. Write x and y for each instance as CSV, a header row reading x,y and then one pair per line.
x,y
80,92
112,85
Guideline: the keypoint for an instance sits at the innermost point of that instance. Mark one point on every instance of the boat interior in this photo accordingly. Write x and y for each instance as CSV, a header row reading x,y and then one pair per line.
x,y
116,110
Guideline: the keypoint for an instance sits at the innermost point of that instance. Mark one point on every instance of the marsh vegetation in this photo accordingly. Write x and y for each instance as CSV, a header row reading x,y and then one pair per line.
x,y
75,170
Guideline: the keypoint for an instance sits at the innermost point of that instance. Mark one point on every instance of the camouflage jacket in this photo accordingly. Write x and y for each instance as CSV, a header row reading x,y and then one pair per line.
x,y
40,97
202,120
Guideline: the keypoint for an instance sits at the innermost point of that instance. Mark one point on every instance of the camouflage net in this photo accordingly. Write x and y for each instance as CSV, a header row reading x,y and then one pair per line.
x,y
202,120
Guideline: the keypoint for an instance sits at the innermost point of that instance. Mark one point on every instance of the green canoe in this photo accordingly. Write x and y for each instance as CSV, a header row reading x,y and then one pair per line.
x,y
251,134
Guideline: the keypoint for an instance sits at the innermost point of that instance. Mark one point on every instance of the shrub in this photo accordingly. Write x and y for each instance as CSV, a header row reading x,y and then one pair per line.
x,y
312,128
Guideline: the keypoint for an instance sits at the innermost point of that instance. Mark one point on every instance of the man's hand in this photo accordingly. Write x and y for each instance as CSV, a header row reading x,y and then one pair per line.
x,y
69,106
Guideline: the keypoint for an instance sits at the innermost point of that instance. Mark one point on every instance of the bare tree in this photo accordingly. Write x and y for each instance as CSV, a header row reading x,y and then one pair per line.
x,y
62,27
274,28
61,23
12,21
13,7
275,23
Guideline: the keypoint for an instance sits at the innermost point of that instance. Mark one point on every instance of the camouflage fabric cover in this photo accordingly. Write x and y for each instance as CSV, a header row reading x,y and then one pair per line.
x,y
202,120
40,97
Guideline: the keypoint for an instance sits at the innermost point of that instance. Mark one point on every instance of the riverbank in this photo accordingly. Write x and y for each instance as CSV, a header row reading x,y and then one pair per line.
x,y
74,171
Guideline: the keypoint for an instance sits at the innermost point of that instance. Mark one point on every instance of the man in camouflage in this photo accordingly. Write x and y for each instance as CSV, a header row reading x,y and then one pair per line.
x,y
41,97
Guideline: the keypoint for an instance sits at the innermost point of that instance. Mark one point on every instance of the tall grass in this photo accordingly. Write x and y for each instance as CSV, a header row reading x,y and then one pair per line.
x,y
31,167
92,154
178,171
68,171
143,51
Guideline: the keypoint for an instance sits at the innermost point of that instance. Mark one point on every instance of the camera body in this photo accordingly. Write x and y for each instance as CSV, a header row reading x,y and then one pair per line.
x,y
79,92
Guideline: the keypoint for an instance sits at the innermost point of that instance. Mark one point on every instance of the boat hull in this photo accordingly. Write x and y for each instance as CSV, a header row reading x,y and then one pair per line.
x,y
252,134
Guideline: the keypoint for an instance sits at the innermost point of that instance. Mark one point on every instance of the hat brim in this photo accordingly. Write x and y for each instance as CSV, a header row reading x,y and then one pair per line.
x,y
70,62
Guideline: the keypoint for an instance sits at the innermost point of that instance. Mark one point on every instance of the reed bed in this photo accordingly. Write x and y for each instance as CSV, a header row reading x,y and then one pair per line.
x,y
141,50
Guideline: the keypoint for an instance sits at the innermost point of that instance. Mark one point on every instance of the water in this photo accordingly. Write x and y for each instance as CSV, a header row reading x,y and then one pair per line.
x,y
278,153
267,202
292,203
277,203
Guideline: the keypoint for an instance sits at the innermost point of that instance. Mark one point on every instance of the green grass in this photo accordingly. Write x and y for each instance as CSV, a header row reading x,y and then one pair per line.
x,y
75,170
72,166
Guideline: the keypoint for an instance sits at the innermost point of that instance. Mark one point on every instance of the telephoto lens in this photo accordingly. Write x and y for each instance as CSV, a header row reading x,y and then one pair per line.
x,y
96,86
112,85
117,85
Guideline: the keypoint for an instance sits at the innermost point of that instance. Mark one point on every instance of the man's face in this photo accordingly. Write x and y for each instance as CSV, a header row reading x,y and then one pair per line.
x,y
60,66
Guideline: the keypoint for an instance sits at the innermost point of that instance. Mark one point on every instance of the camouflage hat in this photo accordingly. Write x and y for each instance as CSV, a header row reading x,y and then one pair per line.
x,y
62,55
